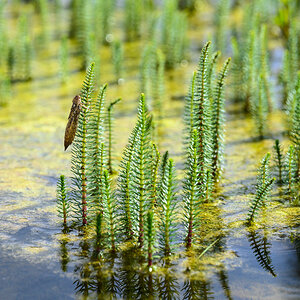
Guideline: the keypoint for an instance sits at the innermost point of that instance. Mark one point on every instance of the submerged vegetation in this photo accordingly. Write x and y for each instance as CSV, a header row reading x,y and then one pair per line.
x,y
156,209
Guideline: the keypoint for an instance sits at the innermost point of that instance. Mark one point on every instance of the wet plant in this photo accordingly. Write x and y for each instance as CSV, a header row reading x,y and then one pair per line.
x,y
97,153
192,195
42,7
64,60
135,177
290,61
133,18
295,130
110,134
171,33
278,157
110,209
263,188
79,151
152,76
217,124
5,89
103,17
221,21
20,58
4,45
63,204
117,58
168,206
290,166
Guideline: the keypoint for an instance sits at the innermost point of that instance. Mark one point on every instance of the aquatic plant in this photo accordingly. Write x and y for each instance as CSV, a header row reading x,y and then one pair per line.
x,y
64,60
192,196
135,177
278,159
171,33
263,188
97,153
291,104
201,116
110,135
168,205
133,18
217,123
222,22
152,76
20,57
4,45
43,10
110,210
259,108
79,151
63,204
295,130
290,166
103,16
117,58
5,89
290,61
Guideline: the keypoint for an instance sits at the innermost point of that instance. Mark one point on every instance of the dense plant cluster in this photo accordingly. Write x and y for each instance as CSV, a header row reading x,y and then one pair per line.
x,y
144,208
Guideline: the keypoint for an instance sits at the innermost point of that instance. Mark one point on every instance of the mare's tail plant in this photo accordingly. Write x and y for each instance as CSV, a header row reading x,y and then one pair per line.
x,y
295,130
263,188
79,151
290,167
110,125
63,205
168,204
171,33
278,159
111,210
97,153
222,18
117,58
64,60
217,124
152,75
192,196
135,178
133,19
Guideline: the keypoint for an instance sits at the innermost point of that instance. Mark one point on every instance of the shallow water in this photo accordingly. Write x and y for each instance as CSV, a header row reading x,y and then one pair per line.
x,y
39,261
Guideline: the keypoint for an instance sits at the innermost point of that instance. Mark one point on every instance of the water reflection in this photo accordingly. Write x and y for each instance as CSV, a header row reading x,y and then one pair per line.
x,y
261,249
101,275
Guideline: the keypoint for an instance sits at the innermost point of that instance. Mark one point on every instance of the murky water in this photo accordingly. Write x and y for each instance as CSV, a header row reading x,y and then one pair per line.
x,y
39,260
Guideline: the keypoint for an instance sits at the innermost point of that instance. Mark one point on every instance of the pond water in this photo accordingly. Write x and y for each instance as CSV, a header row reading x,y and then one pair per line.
x,y
39,260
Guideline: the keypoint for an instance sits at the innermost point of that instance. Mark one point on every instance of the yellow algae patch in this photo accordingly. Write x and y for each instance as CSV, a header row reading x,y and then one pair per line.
x,y
34,249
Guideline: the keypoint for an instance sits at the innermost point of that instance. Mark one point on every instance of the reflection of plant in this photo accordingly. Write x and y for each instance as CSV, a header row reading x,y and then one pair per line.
x,y
197,289
261,249
263,188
